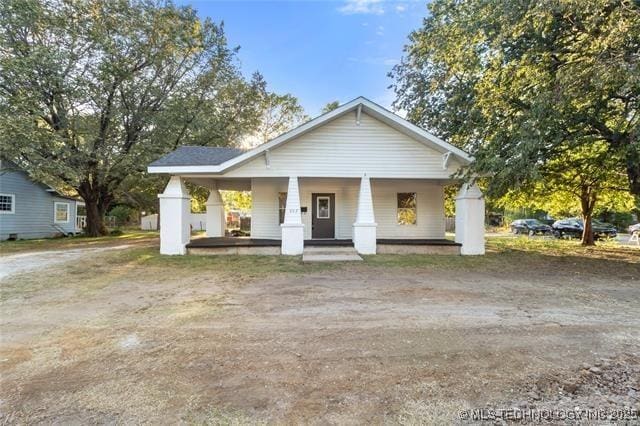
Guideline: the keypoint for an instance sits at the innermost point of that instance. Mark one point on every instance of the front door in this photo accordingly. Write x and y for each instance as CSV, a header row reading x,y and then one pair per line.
x,y
323,221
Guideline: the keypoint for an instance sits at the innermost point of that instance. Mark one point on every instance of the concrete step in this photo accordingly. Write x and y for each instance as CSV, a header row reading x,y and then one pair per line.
x,y
330,257
332,249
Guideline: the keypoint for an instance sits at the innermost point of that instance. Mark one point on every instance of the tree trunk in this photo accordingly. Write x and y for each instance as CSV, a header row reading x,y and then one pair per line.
x,y
587,202
633,173
587,233
97,200
95,220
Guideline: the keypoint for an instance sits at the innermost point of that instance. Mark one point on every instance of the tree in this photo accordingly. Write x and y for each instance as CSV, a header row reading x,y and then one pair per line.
x,y
237,200
330,106
521,84
92,91
279,114
584,181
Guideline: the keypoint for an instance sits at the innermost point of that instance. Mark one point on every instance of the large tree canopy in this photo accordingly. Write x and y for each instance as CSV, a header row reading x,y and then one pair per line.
x,y
280,113
520,83
541,93
92,91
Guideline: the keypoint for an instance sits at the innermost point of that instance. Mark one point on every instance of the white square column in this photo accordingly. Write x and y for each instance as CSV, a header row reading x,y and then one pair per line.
x,y
470,220
292,228
216,222
175,210
364,229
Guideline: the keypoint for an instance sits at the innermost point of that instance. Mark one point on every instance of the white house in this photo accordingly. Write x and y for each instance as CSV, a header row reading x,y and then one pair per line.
x,y
358,175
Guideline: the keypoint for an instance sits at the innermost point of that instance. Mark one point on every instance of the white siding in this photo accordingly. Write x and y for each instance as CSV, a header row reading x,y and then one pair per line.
x,y
430,209
341,148
346,191
430,197
264,207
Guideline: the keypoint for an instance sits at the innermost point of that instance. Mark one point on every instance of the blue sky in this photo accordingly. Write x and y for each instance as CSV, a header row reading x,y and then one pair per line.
x,y
319,51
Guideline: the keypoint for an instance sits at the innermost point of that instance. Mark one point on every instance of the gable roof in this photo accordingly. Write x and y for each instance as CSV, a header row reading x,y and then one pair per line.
x,y
192,164
197,156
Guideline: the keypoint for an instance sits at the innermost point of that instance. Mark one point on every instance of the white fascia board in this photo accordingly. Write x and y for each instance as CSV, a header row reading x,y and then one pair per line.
x,y
306,127
292,134
177,170
418,132
399,123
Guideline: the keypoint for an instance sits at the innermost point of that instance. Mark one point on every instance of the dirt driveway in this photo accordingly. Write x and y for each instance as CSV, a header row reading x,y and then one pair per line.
x,y
132,337
14,264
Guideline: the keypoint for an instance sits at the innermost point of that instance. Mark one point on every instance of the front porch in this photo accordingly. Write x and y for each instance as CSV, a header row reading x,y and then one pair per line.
x,y
372,215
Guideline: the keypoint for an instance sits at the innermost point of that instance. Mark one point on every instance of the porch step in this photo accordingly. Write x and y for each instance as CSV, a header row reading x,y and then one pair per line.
x,y
330,254
330,249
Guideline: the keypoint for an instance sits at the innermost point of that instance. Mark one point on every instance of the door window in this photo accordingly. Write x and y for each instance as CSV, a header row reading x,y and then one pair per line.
x,y
323,208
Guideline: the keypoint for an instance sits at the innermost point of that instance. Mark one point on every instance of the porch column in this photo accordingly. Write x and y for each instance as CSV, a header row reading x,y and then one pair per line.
x,y
175,209
470,220
216,222
364,229
292,228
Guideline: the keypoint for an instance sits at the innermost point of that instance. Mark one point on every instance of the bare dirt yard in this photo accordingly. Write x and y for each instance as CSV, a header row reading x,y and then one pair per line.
x,y
129,336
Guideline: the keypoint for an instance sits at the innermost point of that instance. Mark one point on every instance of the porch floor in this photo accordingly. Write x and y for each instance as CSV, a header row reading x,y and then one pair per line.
x,y
264,242
418,242
232,242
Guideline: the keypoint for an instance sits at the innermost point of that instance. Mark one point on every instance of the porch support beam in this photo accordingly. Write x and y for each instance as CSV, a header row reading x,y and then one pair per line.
x,y
292,228
175,210
267,159
216,222
470,220
364,228
445,160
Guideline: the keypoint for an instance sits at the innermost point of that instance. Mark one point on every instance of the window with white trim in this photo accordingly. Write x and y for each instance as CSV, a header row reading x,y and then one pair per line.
x,y
407,208
7,203
61,212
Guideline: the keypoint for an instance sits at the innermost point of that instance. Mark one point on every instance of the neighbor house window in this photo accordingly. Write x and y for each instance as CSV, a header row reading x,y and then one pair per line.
x,y
61,211
407,211
7,203
282,205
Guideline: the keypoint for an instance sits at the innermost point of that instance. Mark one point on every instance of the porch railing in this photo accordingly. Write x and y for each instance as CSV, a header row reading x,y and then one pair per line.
x,y
81,222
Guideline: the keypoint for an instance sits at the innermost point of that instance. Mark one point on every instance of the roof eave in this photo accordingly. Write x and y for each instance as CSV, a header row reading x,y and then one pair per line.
x,y
371,108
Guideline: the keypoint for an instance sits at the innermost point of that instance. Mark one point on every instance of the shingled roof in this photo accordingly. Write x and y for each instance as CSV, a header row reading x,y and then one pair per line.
x,y
197,156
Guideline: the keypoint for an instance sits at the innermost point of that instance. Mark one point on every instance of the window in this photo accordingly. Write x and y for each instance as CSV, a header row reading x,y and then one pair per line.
x,y
407,211
282,205
61,212
7,203
324,208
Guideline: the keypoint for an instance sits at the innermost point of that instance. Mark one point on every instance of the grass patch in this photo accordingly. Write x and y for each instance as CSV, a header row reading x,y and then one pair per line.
x,y
557,247
513,254
245,266
129,236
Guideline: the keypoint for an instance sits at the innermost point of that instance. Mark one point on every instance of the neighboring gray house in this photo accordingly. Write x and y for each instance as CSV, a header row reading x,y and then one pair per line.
x,y
31,209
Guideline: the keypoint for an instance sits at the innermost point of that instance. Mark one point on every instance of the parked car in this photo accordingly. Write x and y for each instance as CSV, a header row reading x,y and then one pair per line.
x,y
634,228
530,227
573,227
